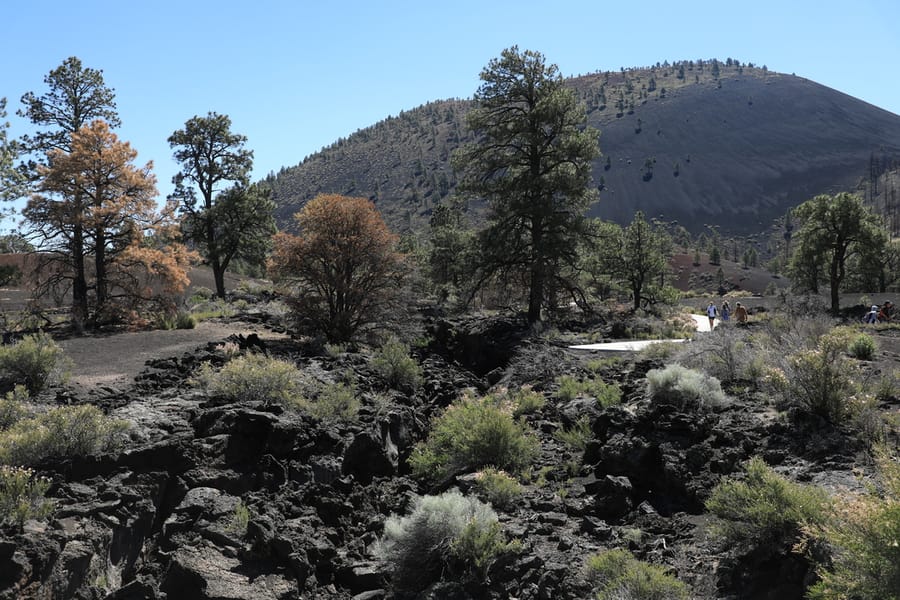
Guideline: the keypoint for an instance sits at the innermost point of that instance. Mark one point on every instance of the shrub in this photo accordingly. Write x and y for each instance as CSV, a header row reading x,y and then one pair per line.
x,y
335,401
252,378
607,394
525,400
22,496
473,433
479,543
862,347
569,388
578,435
419,546
764,507
820,382
685,386
864,532
12,407
185,320
59,433
497,487
240,518
621,576
393,363
35,362
201,293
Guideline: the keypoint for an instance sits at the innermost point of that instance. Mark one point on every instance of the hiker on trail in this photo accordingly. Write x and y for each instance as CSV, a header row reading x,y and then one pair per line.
x,y
872,315
711,312
740,313
886,312
726,310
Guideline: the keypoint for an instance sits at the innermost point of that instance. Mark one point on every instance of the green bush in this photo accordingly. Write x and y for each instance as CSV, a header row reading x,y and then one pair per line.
x,y
252,378
59,433
569,388
862,347
12,407
620,576
473,433
35,362
335,401
479,543
418,547
821,381
525,401
497,487
578,435
22,496
685,386
399,370
864,533
607,394
764,507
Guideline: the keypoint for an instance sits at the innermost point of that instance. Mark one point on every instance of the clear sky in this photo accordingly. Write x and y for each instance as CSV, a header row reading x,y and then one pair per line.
x,y
294,76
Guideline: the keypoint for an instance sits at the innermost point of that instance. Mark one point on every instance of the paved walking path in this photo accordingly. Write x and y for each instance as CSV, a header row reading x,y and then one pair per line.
x,y
635,345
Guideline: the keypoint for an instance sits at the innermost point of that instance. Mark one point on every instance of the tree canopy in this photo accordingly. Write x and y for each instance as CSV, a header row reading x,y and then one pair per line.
x,y
93,219
833,231
636,256
343,267
211,156
532,164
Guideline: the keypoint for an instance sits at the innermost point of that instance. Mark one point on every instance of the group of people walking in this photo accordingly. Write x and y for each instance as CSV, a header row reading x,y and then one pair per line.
x,y
713,312
882,314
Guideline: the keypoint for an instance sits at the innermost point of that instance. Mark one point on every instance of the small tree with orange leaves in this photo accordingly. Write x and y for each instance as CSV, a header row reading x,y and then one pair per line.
x,y
99,232
344,269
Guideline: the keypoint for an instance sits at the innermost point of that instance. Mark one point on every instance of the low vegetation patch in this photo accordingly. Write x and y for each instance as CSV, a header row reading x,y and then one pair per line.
x,y
764,507
35,362
22,496
607,394
497,487
437,531
685,387
863,533
334,401
396,367
473,433
620,576
252,378
62,432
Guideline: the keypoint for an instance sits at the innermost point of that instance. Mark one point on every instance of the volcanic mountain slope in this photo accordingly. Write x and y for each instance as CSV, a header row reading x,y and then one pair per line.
x,y
701,142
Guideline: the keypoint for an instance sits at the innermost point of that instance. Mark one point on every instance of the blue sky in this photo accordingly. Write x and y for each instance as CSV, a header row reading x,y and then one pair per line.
x,y
295,76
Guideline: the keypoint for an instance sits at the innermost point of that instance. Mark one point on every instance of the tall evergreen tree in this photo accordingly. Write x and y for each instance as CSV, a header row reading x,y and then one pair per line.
x,y
531,162
76,96
211,156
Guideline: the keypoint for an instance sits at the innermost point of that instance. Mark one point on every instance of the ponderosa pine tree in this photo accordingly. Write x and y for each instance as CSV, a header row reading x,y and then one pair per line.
x,y
531,162
212,156
94,219
76,95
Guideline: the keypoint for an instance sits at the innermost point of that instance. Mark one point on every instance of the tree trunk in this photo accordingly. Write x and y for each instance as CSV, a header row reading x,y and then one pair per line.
x,y
100,270
219,276
79,282
536,291
835,281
